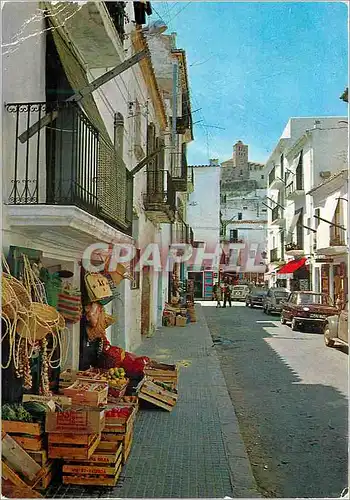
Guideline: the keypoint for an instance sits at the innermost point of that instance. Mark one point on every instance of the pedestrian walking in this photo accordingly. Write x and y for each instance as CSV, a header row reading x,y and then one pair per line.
x,y
217,294
227,293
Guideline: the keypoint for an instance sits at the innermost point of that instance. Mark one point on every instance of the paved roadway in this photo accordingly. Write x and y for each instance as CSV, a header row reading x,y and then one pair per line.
x,y
290,395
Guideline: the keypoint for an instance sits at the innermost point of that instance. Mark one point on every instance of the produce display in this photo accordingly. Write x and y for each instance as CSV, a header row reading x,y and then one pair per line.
x,y
87,386
116,378
164,385
119,412
15,412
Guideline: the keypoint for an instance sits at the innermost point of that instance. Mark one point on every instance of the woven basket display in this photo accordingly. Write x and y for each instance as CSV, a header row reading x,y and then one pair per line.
x,y
39,321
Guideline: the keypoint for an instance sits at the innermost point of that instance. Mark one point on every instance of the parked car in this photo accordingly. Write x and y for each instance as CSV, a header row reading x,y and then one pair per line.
x,y
336,328
307,308
255,297
240,292
273,300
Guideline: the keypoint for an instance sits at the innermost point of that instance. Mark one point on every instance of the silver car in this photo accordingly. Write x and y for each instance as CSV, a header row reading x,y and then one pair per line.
x,y
240,292
272,301
336,328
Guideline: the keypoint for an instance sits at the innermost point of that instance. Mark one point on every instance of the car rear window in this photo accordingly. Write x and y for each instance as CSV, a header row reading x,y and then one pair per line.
x,y
281,293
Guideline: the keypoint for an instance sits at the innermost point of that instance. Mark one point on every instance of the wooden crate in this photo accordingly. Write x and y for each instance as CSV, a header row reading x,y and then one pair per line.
x,y
95,394
132,401
162,372
119,425
28,435
109,439
102,469
156,395
46,480
39,456
73,446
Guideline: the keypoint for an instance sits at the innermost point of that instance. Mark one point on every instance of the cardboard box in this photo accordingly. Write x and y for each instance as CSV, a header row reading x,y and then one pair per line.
x,y
75,421
181,321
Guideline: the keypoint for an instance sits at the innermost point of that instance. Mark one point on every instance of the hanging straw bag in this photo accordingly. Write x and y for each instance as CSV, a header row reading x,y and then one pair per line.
x,y
97,287
69,304
38,322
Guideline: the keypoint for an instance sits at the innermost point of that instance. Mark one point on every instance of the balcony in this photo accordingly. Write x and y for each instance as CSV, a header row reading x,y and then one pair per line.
x,y
179,174
103,23
274,255
116,11
275,182
181,233
65,164
277,217
294,190
295,249
337,243
160,197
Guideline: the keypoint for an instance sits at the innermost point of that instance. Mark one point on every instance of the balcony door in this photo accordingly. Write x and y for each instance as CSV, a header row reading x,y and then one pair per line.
x,y
155,172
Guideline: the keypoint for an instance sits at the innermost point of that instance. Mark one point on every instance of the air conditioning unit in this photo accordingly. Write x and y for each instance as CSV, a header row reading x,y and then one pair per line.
x,y
325,174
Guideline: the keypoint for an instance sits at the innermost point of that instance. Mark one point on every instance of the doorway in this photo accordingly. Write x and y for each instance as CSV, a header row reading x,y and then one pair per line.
x,y
198,284
145,301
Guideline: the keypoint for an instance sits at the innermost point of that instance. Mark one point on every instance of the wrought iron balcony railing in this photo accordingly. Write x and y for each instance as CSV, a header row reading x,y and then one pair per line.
x,y
337,239
160,193
67,162
179,173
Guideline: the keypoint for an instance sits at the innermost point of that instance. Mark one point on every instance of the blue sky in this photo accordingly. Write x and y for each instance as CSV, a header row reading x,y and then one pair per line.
x,y
254,65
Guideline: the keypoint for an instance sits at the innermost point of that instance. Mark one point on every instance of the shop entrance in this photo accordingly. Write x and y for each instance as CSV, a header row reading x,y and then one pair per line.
x,y
145,301
198,284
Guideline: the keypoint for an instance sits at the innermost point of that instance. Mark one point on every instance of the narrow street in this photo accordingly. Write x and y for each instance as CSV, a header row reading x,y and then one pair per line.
x,y
290,396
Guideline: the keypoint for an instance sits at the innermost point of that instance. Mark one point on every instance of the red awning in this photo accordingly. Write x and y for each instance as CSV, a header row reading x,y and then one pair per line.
x,y
292,266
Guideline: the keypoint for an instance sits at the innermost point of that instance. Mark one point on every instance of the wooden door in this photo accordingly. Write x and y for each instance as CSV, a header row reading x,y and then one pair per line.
x,y
145,301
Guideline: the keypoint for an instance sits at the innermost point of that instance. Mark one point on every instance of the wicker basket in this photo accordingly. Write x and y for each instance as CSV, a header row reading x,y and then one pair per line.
x,y
38,322
9,301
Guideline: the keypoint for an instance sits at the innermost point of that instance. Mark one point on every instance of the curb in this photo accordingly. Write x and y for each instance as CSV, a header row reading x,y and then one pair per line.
x,y
241,474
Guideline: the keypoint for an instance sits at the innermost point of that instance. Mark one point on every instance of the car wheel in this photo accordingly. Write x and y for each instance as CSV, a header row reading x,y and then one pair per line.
x,y
252,305
328,342
283,321
246,304
294,325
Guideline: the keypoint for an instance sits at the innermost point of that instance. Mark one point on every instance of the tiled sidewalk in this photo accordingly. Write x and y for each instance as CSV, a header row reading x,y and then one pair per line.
x,y
195,451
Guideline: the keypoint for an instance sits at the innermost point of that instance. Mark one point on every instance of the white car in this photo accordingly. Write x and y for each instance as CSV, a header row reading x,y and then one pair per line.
x,y
273,300
240,292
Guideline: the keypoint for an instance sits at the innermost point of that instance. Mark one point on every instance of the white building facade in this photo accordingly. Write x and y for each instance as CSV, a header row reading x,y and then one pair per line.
x,y
70,185
243,217
309,151
203,214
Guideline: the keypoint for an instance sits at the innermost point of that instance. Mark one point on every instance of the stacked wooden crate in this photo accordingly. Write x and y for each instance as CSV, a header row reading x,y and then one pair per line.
x,y
22,476
158,395
159,387
119,430
74,434
103,468
32,438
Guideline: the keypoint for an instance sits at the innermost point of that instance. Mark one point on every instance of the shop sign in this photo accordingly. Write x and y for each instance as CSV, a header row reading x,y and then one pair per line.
x,y
324,260
284,276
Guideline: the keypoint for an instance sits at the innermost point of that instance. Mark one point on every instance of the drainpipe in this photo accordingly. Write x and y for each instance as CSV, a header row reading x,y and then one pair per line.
x,y
173,134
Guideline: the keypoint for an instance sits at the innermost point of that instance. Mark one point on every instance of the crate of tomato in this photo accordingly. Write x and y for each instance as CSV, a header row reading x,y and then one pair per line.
x,y
119,419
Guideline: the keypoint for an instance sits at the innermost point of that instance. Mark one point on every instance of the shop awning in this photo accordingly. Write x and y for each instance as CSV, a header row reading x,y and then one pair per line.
x,y
292,227
292,266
